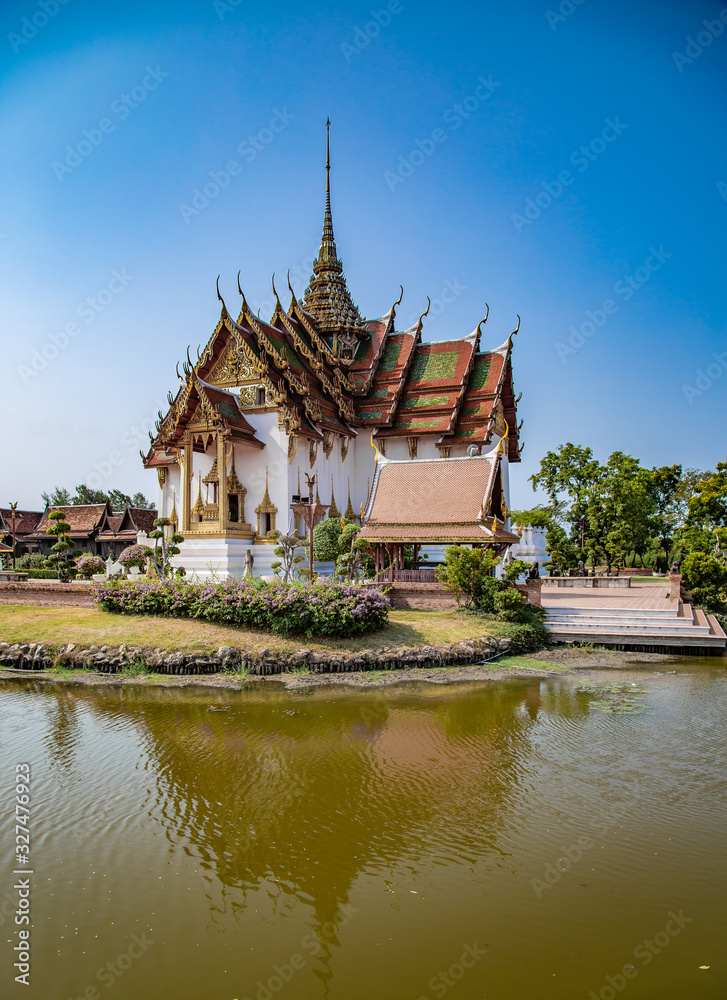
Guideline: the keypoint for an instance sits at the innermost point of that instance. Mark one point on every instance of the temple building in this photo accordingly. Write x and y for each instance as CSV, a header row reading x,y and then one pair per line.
x,y
412,439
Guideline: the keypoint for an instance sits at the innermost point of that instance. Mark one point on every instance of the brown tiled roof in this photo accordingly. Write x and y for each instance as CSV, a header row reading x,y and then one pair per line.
x,y
26,521
431,491
82,519
436,533
143,519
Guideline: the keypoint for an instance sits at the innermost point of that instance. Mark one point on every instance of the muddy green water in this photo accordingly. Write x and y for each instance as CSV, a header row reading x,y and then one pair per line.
x,y
513,840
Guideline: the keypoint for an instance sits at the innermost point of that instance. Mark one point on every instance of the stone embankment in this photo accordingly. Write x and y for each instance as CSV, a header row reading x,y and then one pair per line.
x,y
265,662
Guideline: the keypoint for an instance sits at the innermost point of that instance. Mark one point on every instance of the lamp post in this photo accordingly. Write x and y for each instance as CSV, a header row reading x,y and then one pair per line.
x,y
311,512
13,524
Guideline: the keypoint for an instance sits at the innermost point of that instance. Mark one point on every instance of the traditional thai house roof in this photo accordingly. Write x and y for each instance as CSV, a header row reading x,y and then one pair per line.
x,y
124,527
437,501
26,522
328,372
84,520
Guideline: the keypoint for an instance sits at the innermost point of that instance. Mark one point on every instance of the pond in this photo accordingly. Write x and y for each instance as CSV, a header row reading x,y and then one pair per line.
x,y
525,838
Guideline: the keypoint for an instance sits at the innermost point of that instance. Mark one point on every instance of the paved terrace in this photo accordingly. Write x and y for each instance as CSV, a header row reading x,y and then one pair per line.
x,y
638,597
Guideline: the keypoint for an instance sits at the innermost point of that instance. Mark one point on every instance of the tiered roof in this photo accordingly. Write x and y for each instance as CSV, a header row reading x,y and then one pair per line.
x,y
329,372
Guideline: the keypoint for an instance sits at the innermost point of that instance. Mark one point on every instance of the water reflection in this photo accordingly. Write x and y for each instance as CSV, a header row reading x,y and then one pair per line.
x,y
266,822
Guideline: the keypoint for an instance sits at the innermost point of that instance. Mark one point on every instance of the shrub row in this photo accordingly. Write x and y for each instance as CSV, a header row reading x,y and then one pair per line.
x,y
318,609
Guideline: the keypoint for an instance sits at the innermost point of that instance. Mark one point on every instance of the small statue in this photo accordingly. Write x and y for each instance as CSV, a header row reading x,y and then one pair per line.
x,y
675,566
582,571
249,561
534,573
554,568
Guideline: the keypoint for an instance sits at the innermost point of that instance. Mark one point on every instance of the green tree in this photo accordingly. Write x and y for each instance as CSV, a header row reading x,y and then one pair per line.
x,y
708,504
85,495
58,498
706,577
569,477
64,553
535,517
468,573
140,502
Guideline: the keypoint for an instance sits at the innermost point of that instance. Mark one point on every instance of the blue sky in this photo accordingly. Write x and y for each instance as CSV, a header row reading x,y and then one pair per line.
x,y
556,161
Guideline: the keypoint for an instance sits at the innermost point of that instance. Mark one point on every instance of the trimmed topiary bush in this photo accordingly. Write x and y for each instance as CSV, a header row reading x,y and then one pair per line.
x,y
310,609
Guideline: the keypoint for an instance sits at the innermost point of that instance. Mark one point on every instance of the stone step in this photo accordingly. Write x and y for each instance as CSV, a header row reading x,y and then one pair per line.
x,y
611,612
619,628
561,616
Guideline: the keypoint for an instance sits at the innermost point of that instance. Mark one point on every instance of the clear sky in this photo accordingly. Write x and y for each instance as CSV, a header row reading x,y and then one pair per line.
x,y
553,161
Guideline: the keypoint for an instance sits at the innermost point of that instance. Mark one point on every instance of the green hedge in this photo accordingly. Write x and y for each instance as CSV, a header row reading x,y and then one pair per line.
x,y
42,574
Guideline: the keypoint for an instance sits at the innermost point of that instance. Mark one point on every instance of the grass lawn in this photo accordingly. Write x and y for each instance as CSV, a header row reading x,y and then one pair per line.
x,y
90,627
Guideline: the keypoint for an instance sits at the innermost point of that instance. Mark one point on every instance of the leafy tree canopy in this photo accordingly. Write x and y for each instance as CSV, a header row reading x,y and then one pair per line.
x,y
61,497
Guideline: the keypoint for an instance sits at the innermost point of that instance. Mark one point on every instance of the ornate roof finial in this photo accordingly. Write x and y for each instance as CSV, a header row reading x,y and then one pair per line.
x,y
333,511
509,339
199,506
350,513
479,327
174,520
420,322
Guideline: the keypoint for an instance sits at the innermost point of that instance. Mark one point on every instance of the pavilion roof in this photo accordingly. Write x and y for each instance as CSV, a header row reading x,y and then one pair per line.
x,y
434,500
83,519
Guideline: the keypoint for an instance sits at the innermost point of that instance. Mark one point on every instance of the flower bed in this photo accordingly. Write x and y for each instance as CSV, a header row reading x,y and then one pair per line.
x,y
318,609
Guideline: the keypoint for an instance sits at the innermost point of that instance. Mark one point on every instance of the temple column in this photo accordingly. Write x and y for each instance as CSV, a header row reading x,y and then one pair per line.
x,y
187,473
222,486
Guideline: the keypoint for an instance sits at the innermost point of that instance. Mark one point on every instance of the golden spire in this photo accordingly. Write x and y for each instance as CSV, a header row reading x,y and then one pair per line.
x,y
333,510
350,513
174,520
199,506
327,297
318,499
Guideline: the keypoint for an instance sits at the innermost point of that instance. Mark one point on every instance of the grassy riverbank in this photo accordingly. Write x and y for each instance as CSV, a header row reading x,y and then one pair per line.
x,y
90,627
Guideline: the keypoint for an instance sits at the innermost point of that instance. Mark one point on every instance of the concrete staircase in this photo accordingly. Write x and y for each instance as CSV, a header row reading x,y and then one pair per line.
x,y
681,629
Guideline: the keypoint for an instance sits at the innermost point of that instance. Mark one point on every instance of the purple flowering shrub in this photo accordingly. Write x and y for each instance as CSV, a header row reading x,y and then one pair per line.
x,y
86,566
134,555
310,609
